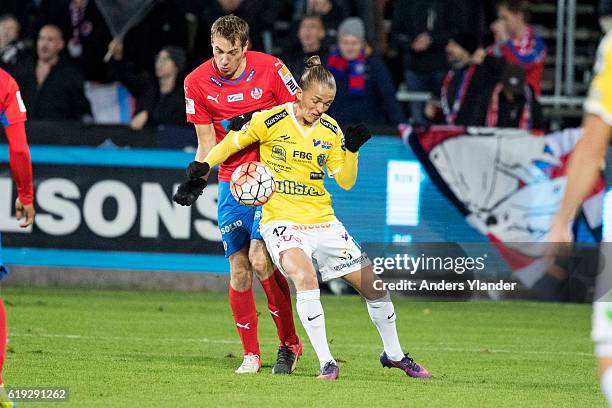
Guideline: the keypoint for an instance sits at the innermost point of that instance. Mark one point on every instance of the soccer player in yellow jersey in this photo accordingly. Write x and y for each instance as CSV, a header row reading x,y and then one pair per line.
x,y
298,141
583,171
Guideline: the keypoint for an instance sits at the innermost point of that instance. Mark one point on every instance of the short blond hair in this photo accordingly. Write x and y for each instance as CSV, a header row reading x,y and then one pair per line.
x,y
231,28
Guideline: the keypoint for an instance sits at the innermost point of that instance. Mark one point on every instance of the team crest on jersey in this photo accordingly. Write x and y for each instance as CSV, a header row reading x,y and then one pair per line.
x,y
329,125
321,160
279,153
215,81
275,118
288,79
256,93
250,76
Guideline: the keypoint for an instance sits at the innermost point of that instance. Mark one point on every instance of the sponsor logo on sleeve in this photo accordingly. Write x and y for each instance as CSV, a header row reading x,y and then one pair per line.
x,y
250,76
288,79
275,118
189,106
235,97
22,107
329,125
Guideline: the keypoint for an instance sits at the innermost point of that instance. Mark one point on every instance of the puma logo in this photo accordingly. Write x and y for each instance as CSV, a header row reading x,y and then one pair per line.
x,y
310,319
274,312
244,326
216,98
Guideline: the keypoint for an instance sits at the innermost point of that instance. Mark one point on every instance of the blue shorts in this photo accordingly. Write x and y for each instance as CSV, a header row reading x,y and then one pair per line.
x,y
3,270
238,224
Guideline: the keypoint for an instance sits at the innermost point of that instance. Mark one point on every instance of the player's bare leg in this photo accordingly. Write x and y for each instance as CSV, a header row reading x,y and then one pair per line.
x,y
298,266
279,305
605,370
243,308
382,313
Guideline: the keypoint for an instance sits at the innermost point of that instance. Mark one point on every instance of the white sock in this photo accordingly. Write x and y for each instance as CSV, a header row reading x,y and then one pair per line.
x,y
310,310
383,316
606,384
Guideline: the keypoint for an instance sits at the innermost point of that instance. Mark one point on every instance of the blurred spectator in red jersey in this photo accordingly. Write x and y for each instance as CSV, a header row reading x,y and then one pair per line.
x,y
51,86
518,42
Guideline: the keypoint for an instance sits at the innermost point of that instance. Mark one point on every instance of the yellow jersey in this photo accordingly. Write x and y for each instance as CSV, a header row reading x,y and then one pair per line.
x,y
298,156
599,99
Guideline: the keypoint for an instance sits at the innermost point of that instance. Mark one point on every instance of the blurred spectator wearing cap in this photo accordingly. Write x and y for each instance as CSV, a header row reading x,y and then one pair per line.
x,y
420,30
512,103
310,35
11,46
52,88
364,88
517,41
159,100
467,86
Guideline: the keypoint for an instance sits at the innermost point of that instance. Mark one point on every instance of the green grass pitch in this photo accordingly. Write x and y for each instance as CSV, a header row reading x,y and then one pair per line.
x,y
148,349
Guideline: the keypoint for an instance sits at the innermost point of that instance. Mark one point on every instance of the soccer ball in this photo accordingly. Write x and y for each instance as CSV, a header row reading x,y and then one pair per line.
x,y
252,184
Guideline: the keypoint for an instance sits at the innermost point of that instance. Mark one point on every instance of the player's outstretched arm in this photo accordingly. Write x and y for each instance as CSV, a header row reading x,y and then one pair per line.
x,y
355,137
583,170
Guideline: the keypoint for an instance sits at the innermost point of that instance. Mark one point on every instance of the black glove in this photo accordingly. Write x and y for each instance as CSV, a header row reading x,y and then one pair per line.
x,y
237,122
356,136
189,191
197,169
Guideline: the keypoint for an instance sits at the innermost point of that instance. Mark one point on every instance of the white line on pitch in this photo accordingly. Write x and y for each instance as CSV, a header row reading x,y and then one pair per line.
x,y
221,341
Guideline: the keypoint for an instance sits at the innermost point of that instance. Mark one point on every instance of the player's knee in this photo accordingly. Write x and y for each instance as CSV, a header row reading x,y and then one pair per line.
x,y
307,281
241,279
261,264
241,275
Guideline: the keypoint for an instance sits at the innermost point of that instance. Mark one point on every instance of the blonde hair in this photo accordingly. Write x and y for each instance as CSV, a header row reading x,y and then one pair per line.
x,y
231,28
315,72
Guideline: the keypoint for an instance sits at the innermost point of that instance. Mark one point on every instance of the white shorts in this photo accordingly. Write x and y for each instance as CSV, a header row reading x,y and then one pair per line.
x,y
602,328
332,249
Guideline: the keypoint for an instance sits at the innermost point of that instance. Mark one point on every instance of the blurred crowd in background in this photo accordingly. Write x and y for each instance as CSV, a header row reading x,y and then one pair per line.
x,y
481,61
